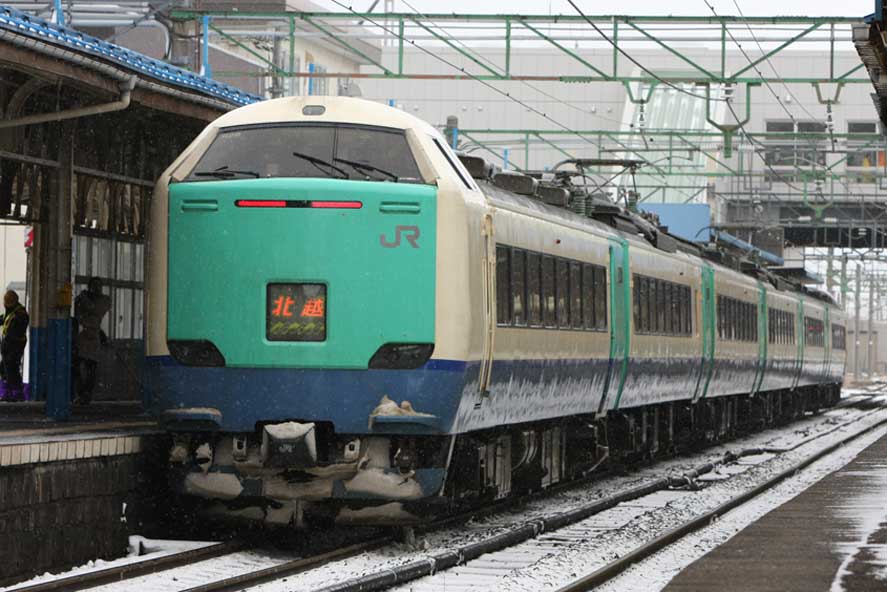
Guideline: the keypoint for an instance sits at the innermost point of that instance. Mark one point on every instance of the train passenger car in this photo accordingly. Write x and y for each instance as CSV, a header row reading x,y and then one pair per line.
x,y
347,323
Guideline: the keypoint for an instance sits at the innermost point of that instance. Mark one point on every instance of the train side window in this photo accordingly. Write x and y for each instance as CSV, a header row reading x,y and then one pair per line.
x,y
720,316
682,310
534,289
684,314
660,306
737,319
666,306
588,295
549,303
754,321
563,293
503,287
688,328
518,287
600,298
640,304
649,319
730,328
749,321
676,309
462,176
652,305
575,295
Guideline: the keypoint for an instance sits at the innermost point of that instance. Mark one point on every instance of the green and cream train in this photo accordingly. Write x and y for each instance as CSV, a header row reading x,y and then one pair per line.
x,y
351,322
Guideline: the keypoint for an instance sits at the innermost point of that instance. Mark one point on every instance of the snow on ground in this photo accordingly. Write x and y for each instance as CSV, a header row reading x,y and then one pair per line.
x,y
638,517
553,560
655,572
395,555
140,549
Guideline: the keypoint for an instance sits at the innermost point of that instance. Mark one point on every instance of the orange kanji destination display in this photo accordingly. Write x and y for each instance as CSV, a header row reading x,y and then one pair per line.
x,y
295,312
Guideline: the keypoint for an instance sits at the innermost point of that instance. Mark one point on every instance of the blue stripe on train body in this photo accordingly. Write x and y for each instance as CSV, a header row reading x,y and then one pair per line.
x,y
521,391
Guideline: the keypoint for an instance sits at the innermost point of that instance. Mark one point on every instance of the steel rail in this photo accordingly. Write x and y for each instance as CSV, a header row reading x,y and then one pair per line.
x,y
614,568
441,561
289,568
132,570
420,568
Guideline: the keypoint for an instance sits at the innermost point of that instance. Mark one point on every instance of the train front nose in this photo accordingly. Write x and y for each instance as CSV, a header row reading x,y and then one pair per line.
x,y
300,273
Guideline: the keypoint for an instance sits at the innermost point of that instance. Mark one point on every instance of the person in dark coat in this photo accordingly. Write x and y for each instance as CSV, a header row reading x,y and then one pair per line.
x,y
12,347
90,307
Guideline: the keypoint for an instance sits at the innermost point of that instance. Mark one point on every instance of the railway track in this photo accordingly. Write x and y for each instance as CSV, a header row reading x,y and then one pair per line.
x,y
483,566
548,529
607,572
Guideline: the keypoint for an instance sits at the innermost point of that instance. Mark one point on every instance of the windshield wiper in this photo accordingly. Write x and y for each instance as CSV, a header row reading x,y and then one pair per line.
x,y
368,167
223,172
317,162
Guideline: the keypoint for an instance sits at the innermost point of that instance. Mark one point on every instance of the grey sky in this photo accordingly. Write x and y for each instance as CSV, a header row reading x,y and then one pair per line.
x,y
848,8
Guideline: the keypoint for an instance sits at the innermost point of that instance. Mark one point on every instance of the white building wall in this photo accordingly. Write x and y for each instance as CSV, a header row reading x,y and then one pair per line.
x,y
13,258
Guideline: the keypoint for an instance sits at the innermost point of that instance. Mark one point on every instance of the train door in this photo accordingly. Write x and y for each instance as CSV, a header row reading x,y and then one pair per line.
x,y
801,338
763,337
489,289
707,329
620,315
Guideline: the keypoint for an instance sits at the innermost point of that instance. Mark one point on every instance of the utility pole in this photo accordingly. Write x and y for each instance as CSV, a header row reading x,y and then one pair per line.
x,y
844,281
856,323
276,59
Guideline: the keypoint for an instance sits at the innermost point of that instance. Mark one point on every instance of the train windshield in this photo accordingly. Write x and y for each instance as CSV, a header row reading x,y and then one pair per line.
x,y
358,153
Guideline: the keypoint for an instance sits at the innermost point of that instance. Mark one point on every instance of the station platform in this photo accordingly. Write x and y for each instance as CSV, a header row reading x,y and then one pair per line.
x,y
72,491
833,536
23,443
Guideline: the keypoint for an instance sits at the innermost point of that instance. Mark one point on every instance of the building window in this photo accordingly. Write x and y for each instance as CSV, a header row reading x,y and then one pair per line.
x,y
785,155
318,86
863,160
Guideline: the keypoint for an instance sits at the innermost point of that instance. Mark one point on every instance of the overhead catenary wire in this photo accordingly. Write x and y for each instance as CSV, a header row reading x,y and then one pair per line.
x,y
740,128
769,63
634,61
485,83
753,142
558,100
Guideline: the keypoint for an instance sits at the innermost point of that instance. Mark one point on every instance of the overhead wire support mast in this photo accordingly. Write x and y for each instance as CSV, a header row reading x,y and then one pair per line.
x,y
739,123
484,82
600,146
559,29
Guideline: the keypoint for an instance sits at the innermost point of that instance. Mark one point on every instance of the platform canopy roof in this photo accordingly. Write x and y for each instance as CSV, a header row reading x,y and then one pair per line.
x,y
45,47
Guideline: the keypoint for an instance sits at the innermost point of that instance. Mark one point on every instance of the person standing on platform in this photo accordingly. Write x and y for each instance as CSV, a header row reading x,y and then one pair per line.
x,y
12,346
90,308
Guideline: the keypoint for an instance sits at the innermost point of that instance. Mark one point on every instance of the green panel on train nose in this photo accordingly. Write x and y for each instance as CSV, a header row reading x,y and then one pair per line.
x,y
377,264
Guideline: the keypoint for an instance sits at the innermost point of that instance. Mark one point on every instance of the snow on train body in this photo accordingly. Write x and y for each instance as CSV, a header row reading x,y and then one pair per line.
x,y
345,324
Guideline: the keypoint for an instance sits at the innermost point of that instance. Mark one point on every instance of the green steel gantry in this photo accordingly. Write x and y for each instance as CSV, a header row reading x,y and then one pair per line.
x,y
513,31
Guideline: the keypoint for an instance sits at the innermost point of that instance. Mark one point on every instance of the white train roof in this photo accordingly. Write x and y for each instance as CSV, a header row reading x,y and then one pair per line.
x,y
337,110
